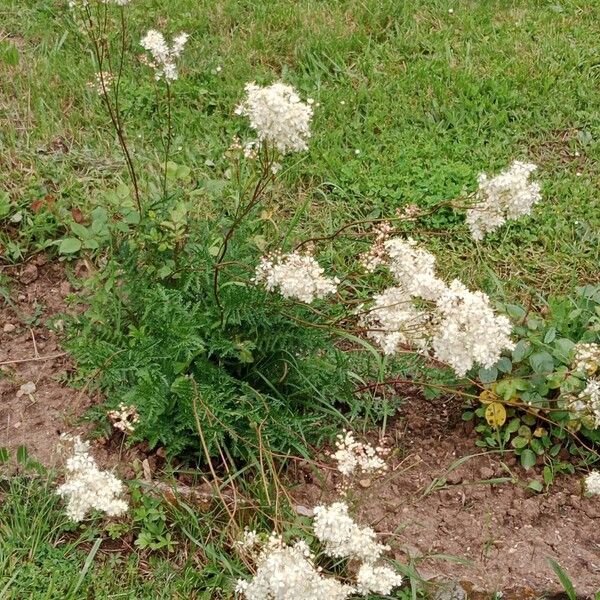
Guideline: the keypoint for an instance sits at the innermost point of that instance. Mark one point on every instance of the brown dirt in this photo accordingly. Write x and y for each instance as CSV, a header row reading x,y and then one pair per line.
x,y
505,531
37,292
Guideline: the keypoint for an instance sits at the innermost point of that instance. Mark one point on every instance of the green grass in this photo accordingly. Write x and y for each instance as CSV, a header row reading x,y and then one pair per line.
x,y
429,97
44,556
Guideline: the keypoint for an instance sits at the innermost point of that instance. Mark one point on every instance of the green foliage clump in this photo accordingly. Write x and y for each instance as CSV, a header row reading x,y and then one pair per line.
x,y
537,381
232,361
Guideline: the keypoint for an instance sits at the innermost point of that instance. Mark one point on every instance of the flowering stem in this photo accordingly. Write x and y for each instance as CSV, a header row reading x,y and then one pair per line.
x,y
114,112
169,136
260,187
420,215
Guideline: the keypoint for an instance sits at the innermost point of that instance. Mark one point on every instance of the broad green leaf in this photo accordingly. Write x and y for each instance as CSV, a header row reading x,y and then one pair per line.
x,y
91,244
99,215
519,442
69,246
541,362
563,348
488,375
528,459
80,230
514,311
522,349
504,365
524,432
513,425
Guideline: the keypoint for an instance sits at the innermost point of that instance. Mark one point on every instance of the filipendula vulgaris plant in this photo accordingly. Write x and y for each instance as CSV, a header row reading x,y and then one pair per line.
x,y
206,319
177,329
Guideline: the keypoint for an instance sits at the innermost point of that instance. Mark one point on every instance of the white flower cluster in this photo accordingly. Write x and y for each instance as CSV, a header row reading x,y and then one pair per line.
x,y
509,195
459,325
586,358
288,572
394,321
86,487
377,254
163,56
296,276
590,398
376,579
352,455
414,269
469,332
592,483
102,83
124,418
342,537
278,116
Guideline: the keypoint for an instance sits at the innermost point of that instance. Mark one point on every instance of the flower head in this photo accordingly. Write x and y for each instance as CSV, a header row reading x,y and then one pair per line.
x,y
425,313
586,405
124,418
393,321
342,537
278,116
352,456
586,358
592,483
295,275
86,487
287,572
509,195
376,579
468,331
163,56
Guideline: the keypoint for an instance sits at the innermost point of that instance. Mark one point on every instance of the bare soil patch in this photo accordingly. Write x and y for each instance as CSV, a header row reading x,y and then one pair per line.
x,y
507,533
30,352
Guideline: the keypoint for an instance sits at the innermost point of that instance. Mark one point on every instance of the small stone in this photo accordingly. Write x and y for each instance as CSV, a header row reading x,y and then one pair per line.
x,y
486,473
450,591
65,288
9,328
304,511
27,389
454,478
21,297
29,274
365,483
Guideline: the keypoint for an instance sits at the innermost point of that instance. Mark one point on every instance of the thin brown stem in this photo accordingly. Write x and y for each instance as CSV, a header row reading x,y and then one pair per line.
x,y
168,140
259,188
100,50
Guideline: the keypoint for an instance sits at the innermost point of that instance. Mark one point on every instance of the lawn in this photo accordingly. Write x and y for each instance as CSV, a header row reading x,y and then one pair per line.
x,y
413,99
